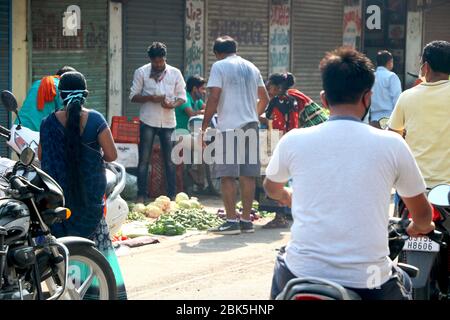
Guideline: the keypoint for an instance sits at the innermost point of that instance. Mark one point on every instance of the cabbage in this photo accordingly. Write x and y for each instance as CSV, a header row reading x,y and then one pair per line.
x,y
139,207
184,204
152,211
194,204
181,197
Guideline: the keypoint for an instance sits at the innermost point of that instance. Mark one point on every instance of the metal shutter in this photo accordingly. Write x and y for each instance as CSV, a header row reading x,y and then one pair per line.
x,y
5,64
247,21
437,22
87,52
145,22
317,28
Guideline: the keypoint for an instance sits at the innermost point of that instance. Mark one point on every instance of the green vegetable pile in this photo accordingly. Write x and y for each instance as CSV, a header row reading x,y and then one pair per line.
x,y
135,216
179,221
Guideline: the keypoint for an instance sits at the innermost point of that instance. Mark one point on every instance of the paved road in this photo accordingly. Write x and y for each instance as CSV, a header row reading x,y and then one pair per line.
x,y
203,266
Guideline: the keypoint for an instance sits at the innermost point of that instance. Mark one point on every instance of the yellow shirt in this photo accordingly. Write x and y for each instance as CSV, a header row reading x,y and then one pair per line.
x,y
424,112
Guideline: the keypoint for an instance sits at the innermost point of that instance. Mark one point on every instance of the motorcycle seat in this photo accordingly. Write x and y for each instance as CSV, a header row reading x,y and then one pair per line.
x,y
325,292
111,181
410,270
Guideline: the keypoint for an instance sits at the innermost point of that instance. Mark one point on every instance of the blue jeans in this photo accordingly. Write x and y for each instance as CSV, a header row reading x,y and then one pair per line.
x,y
399,287
147,136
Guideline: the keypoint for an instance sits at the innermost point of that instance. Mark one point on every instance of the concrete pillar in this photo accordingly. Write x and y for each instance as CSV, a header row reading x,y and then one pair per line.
x,y
20,74
413,45
115,60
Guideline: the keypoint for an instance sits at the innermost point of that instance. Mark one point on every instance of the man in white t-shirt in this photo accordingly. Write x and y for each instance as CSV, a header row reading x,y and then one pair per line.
x,y
343,172
235,85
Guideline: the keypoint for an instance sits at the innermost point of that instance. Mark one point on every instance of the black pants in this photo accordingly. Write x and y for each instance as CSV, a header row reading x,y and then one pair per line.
x,y
399,287
147,136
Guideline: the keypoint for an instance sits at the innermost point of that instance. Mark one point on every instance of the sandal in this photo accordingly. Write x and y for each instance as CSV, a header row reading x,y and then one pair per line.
x,y
277,223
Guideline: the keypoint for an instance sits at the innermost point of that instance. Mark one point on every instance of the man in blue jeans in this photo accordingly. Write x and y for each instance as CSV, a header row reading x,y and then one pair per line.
x,y
343,172
159,88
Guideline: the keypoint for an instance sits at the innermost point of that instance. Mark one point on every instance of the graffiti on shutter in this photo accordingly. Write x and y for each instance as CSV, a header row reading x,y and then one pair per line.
x,y
352,24
280,36
194,38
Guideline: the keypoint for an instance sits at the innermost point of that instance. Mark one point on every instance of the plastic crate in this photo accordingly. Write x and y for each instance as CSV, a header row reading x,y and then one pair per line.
x,y
125,130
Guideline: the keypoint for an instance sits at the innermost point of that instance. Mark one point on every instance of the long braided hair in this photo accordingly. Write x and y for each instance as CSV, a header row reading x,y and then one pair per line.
x,y
72,87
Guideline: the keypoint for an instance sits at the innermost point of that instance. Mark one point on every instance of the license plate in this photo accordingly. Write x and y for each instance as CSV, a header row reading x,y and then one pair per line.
x,y
423,244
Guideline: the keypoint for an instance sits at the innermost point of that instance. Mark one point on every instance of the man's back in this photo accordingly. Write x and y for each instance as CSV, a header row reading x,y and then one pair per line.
x,y
424,111
386,90
341,197
239,80
29,114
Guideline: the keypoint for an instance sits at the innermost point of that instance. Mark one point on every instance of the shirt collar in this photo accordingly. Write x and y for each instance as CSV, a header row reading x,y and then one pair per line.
x,y
350,118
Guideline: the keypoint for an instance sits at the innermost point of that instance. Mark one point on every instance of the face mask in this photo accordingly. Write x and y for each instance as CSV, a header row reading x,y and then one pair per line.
x,y
367,110
199,96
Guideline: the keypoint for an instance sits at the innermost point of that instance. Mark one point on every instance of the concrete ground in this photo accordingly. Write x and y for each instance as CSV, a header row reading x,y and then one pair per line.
x,y
201,266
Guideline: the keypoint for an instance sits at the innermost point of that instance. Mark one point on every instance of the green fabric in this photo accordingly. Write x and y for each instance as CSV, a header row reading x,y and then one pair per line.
x,y
312,115
182,116
30,115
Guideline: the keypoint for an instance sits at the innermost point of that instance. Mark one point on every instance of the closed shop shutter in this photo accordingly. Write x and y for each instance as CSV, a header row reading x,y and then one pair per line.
x,y
5,75
247,21
146,22
317,27
87,52
437,21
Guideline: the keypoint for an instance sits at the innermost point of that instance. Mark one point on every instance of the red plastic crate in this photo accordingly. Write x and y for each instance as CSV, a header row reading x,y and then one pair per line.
x,y
125,130
157,175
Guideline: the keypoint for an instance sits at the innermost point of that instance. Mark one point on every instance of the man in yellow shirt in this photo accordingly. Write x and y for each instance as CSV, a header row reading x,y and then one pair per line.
x,y
423,113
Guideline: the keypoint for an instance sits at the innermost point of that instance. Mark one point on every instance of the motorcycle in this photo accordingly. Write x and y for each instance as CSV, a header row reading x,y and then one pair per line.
x,y
399,241
433,259
34,265
117,209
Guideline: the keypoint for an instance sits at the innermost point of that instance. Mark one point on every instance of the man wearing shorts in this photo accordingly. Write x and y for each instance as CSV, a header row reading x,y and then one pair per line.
x,y
235,85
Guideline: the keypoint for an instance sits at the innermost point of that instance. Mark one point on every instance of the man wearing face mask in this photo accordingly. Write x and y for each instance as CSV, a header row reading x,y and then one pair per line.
x,y
195,105
423,112
159,89
341,191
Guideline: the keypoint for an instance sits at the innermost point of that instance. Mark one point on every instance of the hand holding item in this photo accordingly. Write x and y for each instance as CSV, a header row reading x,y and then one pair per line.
x,y
158,98
166,104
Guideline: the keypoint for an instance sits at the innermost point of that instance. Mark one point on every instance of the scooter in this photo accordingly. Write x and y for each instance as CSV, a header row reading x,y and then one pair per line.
x,y
117,209
399,241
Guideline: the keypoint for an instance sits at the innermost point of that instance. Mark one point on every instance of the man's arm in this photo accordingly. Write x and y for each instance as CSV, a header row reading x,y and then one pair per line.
x,y
278,192
179,92
191,113
136,95
421,214
211,106
396,89
172,105
263,100
397,120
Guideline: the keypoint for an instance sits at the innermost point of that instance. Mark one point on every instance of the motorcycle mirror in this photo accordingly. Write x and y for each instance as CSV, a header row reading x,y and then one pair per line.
x,y
440,196
383,122
27,156
9,101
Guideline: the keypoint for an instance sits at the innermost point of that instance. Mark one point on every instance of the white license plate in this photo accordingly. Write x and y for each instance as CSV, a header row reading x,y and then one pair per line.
x,y
423,244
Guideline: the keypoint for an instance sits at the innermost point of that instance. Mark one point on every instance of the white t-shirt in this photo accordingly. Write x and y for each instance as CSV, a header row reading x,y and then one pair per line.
x,y
239,80
343,172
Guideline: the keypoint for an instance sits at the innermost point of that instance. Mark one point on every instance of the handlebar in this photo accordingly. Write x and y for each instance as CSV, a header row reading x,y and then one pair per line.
x,y
24,186
18,184
434,235
5,131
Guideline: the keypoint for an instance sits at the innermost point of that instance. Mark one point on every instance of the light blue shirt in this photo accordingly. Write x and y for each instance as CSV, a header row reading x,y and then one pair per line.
x,y
386,91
